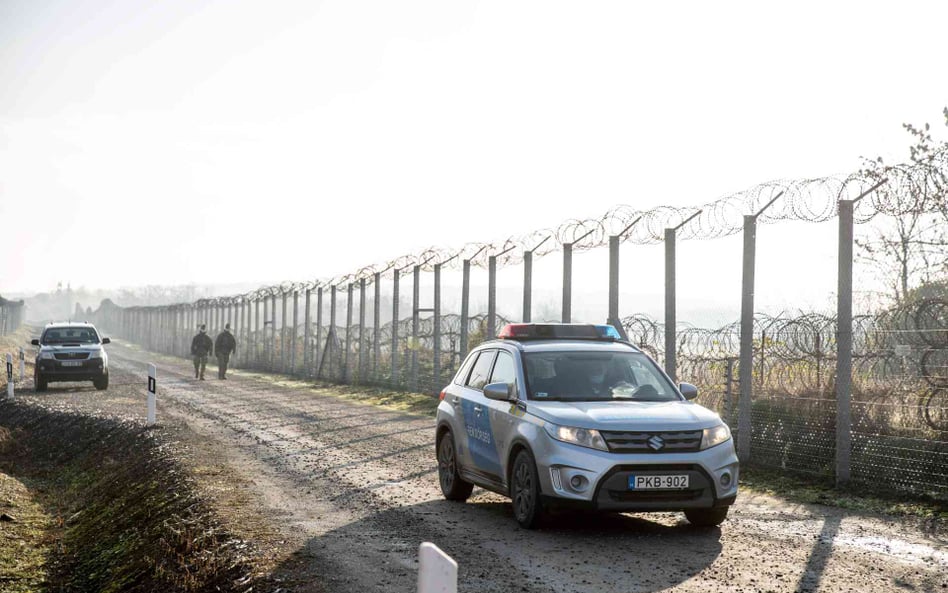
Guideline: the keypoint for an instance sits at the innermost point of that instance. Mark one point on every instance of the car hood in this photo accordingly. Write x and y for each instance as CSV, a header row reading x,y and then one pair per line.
x,y
66,348
626,415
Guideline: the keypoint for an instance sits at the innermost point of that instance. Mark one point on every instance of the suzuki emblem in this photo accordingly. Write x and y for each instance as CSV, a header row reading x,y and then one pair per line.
x,y
656,443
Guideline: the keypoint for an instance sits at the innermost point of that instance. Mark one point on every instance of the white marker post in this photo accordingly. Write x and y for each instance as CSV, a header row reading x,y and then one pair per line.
x,y
9,376
437,572
22,366
152,390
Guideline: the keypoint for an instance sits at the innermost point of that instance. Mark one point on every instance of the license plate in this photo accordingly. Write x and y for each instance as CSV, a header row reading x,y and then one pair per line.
x,y
673,482
72,363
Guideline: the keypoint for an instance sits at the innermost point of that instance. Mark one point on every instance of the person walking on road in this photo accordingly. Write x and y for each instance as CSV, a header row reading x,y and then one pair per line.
x,y
224,346
201,348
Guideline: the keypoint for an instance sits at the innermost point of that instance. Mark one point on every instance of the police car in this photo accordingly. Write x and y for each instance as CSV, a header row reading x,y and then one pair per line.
x,y
571,416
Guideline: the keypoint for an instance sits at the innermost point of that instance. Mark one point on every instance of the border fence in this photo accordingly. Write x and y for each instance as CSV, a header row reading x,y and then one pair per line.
x,y
11,316
862,399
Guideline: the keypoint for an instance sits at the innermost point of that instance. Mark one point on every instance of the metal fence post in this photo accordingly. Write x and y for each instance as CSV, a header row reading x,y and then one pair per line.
x,y
671,366
465,303
746,366
415,306
394,350
567,309
844,343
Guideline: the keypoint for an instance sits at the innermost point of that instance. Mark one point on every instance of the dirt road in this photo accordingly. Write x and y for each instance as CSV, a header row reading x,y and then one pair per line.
x,y
353,490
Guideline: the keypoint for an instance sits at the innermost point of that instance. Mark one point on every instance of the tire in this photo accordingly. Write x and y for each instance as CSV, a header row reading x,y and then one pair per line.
x,y
102,383
525,491
39,382
452,485
706,517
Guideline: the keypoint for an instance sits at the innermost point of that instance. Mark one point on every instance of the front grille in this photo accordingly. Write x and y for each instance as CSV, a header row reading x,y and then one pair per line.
x,y
71,355
639,442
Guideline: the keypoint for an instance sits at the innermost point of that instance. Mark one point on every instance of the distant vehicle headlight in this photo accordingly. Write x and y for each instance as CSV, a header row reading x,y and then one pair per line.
x,y
46,355
715,436
584,437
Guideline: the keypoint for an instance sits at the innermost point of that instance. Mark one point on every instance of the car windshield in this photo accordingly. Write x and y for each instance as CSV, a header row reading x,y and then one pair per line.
x,y
70,335
596,376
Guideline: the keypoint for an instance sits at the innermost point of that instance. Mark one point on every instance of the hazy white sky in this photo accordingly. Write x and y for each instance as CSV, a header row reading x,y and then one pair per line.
x,y
223,141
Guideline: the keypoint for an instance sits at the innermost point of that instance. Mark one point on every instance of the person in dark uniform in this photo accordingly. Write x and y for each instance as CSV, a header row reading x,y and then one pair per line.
x,y
201,348
224,346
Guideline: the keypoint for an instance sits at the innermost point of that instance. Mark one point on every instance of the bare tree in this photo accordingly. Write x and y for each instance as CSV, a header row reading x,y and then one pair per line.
x,y
909,247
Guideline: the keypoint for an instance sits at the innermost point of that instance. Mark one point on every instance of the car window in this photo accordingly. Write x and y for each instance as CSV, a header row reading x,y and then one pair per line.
x,y
72,335
596,376
481,370
465,369
504,369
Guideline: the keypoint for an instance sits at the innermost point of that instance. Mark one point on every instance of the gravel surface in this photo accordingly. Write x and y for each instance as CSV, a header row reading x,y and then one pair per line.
x,y
348,491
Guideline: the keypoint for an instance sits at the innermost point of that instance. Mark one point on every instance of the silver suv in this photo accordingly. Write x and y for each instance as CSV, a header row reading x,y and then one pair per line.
x,y
71,352
570,416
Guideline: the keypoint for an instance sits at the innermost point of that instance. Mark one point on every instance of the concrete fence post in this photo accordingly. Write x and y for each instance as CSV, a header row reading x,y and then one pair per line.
x,y
284,358
491,298
567,305
844,343
436,348
746,365
671,363
394,350
415,317
320,353
527,286
346,372
376,325
332,336
465,303
307,331
362,357
295,331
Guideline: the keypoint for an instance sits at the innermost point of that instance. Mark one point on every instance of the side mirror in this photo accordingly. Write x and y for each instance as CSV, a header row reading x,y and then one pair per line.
x,y
106,341
35,342
499,391
688,390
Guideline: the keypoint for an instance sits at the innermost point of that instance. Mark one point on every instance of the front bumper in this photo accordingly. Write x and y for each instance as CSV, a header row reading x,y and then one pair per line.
x,y
54,370
603,478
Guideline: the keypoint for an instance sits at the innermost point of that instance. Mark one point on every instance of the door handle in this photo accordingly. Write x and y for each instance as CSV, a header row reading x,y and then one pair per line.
x,y
477,409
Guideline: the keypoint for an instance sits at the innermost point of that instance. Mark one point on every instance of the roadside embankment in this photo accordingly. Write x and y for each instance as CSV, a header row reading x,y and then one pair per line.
x,y
102,505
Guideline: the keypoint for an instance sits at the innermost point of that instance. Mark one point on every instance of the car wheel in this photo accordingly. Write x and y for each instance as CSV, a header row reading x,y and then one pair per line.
x,y
39,382
452,485
102,383
525,491
706,517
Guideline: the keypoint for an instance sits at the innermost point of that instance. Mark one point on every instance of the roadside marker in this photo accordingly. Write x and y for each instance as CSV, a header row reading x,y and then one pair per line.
x,y
9,376
437,572
152,389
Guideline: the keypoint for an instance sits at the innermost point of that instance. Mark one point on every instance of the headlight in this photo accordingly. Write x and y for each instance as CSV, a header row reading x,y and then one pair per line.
x,y
584,437
97,354
46,355
715,436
